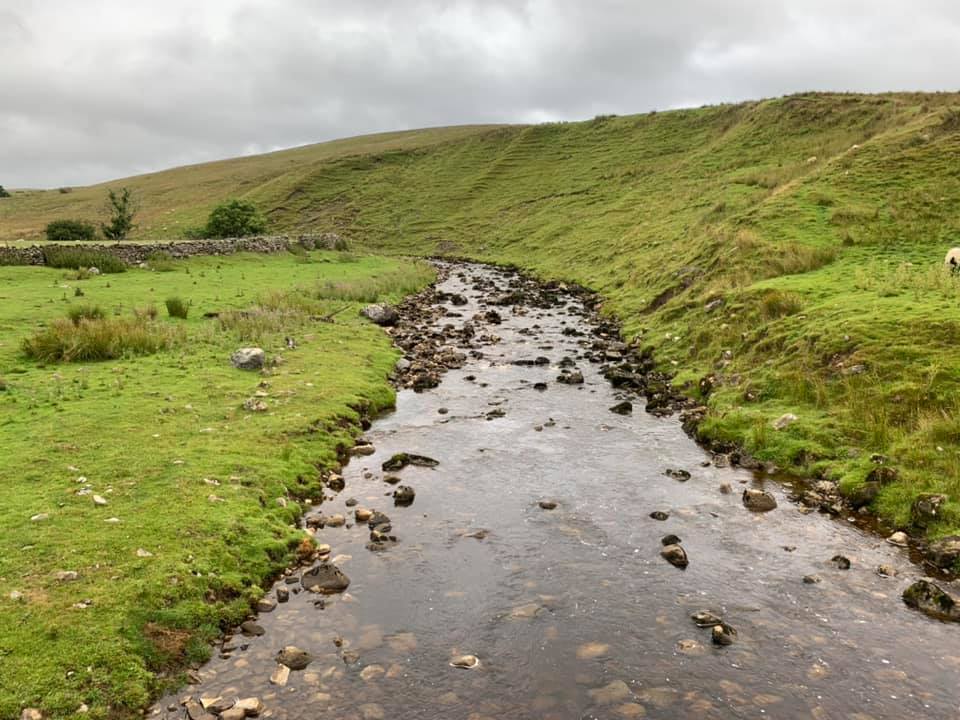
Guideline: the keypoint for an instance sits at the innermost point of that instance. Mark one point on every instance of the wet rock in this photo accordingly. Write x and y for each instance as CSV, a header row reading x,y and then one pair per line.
x,y
886,571
233,713
381,314
690,647
928,597
378,518
677,474
322,549
592,650
265,605
841,562
251,358
615,692
571,378
659,515
723,634
622,408
404,495
540,386
675,555
280,676
294,658
705,619
336,482
945,552
864,494
335,521
216,705
283,595
812,579
251,629
391,479
401,460
669,540
251,706
899,538
725,488
195,711
362,514
351,502
758,500
548,504
325,578
465,662
926,508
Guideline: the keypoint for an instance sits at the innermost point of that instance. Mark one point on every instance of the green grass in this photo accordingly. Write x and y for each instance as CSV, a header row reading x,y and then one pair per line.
x,y
820,220
164,439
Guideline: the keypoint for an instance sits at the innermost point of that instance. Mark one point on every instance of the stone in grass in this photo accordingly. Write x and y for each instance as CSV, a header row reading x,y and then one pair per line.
x,y
381,314
250,358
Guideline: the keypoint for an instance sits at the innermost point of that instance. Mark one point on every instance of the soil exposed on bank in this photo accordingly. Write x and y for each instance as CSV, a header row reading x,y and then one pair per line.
x,y
520,539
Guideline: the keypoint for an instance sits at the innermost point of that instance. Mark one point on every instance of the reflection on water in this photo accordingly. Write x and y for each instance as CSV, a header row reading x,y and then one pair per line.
x,y
572,612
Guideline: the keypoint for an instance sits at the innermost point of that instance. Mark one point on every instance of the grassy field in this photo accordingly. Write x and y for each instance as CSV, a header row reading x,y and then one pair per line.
x,y
792,246
197,514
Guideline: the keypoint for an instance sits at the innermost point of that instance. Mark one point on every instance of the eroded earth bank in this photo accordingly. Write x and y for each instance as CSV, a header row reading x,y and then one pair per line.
x,y
533,576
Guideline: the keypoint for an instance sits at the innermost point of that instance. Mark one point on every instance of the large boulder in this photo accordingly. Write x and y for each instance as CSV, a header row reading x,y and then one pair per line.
x,y
381,314
945,552
928,597
250,358
325,578
758,500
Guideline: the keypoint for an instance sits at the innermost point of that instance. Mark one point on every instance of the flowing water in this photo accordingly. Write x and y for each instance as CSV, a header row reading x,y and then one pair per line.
x,y
572,612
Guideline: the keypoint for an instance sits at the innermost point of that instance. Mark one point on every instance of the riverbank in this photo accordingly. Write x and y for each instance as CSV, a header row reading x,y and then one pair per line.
x,y
496,546
148,498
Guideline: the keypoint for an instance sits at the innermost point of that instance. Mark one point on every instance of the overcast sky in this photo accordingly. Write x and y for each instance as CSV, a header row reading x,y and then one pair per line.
x,y
99,89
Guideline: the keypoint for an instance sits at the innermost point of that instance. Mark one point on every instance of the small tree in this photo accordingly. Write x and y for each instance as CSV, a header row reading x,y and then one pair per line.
x,y
122,206
3,193
235,218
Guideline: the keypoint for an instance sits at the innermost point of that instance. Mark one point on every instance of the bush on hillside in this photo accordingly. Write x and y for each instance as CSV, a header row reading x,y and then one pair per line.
x,y
71,231
75,258
235,218
177,307
122,206
3,193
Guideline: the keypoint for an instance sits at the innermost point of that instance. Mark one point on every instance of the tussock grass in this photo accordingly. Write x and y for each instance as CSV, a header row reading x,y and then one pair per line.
x,y
100,338
376,289
177,307
78,313
79,258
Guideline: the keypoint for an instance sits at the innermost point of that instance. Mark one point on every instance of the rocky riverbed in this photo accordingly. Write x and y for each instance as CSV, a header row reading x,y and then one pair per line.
x,y
521,539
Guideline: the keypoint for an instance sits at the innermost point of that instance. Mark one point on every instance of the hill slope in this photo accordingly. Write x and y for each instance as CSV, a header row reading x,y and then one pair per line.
x,y
792,246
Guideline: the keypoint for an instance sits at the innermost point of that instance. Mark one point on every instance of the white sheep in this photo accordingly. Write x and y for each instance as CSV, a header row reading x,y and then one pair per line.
x,y
952,260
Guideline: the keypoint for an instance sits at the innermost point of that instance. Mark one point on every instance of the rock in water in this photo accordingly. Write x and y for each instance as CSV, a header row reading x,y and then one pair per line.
x,y
670,540
403,495
252,358
623,408
294,658
401,460
548,504
465,662
677,474
841,562
945,552
758,500
928,597
659,515
325,578
723,634
675,555
381,314
705,619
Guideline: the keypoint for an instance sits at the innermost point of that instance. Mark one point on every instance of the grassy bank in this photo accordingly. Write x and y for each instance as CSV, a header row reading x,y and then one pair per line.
x,y
792,247
200,492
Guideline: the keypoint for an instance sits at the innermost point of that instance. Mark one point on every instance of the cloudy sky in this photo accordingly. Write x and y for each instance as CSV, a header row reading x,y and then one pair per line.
x,y
100,89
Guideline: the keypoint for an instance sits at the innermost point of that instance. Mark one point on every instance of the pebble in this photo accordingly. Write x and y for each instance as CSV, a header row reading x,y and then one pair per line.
x,y
659,515
548,504
280,676
675,555
899,538
465,662
591,650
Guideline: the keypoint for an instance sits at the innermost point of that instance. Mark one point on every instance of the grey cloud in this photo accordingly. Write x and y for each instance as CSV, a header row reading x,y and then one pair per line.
x,y
100,89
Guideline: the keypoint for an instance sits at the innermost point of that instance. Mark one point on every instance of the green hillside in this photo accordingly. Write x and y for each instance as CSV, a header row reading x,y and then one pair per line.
x,y
819,222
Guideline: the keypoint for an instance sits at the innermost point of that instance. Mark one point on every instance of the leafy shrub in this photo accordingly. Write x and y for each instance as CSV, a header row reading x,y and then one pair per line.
x,y
177,307
3,192
97,339
71,231
76,258
76,313
235,218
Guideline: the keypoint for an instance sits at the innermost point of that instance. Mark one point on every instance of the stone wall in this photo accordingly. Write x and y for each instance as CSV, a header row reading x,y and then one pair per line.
x,y
136,253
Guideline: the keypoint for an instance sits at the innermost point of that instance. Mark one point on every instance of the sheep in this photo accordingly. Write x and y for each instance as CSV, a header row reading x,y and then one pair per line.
x,y
952,261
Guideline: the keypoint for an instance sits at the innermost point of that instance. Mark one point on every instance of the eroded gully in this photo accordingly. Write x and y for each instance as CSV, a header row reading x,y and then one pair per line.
x,y
572,612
